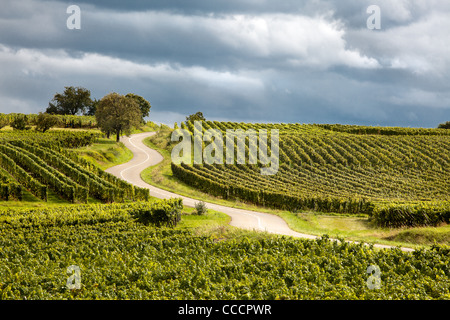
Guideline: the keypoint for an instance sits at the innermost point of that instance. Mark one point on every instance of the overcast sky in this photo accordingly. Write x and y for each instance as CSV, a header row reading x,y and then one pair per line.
x,y
235,60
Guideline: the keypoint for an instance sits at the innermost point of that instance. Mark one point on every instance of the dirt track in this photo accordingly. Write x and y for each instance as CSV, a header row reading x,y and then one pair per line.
x,y
145,157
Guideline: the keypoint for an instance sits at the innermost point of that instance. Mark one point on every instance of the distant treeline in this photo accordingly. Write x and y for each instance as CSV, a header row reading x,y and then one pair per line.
x,y
354,129
65,121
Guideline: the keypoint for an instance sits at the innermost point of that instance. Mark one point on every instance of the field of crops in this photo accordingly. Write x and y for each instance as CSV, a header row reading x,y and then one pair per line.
x,y
37,162
127,246
398,176
120,254
64,121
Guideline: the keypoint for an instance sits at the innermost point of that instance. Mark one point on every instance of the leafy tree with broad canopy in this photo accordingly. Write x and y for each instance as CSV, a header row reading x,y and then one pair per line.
x,y
144,105
118,114
74,100
196,117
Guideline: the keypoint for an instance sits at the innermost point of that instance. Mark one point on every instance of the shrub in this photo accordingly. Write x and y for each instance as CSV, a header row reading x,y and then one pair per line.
x,y
45,121
165,213
200,208
20,122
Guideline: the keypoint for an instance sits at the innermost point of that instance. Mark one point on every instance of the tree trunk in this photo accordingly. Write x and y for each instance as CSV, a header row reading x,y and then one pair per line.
x,y
117,135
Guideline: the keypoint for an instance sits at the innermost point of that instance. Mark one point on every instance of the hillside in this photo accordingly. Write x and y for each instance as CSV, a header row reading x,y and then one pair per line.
x,y
398,176
158,249
39,163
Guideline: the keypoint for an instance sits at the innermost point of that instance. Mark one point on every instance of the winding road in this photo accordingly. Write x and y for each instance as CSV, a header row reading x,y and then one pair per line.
x,y
145,157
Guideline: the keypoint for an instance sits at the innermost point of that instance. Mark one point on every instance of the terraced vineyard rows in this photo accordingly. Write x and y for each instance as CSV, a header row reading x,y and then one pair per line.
x,y
137,250
9,188
134,260
326,168
39,164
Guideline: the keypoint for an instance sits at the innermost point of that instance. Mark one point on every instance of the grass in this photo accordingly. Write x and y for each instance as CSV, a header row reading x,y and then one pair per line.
x,y
211,220
424,235
360,229
105,153
215,225
350,227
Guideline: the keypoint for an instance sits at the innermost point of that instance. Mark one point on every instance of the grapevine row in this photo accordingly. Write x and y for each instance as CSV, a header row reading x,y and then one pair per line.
x,y
121,257
319,165
37,160
47,175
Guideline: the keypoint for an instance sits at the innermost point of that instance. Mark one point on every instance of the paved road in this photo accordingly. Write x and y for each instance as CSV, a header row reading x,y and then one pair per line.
x,y
145,157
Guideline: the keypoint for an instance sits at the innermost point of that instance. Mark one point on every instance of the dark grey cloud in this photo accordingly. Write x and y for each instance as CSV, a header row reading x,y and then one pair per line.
x,y
201,7
256,60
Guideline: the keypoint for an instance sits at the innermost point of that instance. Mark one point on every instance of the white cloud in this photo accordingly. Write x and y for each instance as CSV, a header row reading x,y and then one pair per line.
x,y
292,39
300,40
26,70
55,63
398,10
420,47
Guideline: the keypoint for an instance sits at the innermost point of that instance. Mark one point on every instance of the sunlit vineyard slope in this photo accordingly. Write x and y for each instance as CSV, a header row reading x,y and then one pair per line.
x,y
399,176
37,162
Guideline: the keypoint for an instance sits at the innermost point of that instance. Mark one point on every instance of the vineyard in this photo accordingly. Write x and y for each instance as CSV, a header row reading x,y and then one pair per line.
x,y
397,176
64,121
37,162
120,256
127,245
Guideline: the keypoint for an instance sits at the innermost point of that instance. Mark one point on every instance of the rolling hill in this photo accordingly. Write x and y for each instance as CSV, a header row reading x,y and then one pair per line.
x,y
398,176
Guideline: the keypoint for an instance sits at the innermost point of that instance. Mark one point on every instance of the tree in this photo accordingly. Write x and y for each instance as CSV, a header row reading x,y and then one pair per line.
x,y
445,125
196,117
144,105
45,121
74,100
117,114
90,111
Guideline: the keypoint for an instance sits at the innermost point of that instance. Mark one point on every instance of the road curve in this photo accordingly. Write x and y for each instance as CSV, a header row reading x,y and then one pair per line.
x,y
145,157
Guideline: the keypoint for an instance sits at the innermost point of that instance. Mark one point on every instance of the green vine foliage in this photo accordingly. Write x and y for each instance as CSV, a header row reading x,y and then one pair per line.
x,y
41,161
120,257
397,176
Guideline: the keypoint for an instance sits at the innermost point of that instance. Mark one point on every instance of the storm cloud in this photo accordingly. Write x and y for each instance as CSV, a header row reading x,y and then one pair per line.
x,y
256,60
